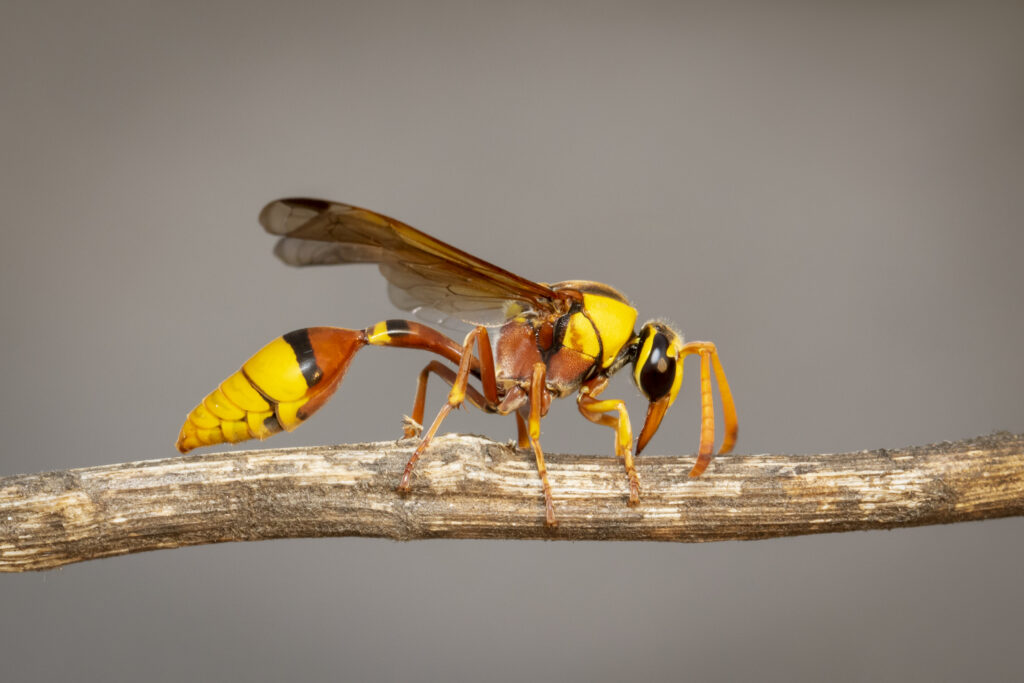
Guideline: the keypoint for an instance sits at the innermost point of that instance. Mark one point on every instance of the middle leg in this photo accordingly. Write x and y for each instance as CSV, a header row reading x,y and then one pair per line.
x,y
539,398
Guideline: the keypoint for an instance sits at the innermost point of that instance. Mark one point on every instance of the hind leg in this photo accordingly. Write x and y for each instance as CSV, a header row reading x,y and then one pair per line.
x,y
414,425
460,388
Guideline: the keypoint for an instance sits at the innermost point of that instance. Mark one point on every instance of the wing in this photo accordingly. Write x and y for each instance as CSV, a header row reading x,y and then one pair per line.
x,y
424,274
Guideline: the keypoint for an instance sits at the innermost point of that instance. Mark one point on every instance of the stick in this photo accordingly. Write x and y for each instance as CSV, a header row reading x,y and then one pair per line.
x,y
468,487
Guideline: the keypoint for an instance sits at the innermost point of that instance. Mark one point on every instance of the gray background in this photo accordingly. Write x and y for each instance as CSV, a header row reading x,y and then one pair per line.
x,y
831,192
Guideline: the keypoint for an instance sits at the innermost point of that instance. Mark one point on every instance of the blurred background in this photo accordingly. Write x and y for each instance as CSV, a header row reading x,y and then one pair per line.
x,y
831,192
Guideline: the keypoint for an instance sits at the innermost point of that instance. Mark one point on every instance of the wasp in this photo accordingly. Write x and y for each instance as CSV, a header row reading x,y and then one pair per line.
x,y
530,342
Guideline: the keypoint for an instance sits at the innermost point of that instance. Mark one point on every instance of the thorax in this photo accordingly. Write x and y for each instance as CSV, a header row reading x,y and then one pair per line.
x,y
574,347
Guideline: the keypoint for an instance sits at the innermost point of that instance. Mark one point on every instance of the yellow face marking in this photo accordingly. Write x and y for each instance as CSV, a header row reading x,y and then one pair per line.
x,y
675,347
614,321
673,352
276,371
641,358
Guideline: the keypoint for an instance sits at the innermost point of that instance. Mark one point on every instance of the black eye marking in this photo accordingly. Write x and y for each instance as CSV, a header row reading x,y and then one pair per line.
x,y
659,370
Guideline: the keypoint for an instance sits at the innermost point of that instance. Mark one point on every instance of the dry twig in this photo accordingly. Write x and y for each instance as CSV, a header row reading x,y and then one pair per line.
x,y
468,487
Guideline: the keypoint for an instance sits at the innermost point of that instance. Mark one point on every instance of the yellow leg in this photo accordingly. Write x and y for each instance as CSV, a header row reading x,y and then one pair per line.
x,y
595,411
708,358
732,426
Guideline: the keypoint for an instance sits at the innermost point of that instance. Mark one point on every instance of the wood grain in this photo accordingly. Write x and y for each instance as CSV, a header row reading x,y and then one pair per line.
x,y
469,487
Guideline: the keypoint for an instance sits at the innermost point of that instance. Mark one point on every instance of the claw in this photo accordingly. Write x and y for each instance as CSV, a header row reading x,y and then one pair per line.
x,y
410,428
634,493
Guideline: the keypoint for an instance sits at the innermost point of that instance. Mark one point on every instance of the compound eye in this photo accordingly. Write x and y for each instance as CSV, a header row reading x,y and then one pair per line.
x,y
656,367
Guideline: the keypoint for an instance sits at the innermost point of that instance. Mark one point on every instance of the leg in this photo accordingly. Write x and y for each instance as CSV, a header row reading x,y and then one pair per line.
x,y
708,358
522,434
458,392
413,335
596,411
419,405
537,391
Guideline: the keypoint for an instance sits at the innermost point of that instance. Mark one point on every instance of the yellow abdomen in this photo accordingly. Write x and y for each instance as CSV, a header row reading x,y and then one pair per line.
x,y
279,387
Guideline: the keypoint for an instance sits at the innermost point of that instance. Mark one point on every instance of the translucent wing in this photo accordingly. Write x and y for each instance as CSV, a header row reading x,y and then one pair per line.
x,y
425,275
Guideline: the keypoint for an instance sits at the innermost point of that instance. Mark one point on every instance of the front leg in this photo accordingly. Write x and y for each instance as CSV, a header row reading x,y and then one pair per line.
x,y
708,360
